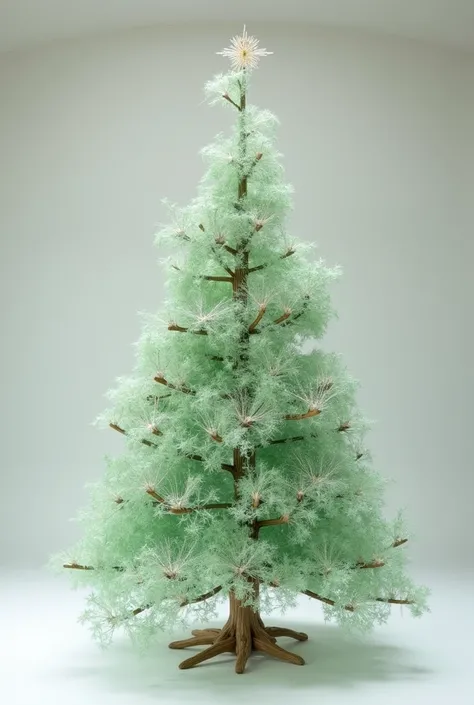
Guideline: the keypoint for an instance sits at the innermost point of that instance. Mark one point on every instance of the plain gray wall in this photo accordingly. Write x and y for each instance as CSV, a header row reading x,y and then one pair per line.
x,y
378,139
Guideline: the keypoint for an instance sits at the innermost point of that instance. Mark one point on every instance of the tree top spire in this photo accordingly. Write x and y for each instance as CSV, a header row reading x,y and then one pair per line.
x,y
244,52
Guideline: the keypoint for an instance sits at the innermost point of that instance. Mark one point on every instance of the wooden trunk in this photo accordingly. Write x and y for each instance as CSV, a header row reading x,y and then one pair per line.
x,y
243,633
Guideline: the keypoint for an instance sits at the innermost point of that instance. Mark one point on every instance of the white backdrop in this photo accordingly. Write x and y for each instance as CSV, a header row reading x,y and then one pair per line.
x,y
378,139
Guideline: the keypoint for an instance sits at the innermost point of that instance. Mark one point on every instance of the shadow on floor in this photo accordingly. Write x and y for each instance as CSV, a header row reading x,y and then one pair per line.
x,y
334,659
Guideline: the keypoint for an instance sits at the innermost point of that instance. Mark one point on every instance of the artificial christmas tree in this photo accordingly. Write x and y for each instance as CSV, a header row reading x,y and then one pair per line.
x,y
244,475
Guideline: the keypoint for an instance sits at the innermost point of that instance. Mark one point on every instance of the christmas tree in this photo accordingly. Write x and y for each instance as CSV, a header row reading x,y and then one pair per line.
x,y
244,475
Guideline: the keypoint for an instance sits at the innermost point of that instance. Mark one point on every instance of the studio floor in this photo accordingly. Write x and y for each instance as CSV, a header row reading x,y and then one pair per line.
x,y
47,657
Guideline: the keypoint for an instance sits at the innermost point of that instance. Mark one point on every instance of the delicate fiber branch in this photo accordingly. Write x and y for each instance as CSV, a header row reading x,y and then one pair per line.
x,y
180,329
182,388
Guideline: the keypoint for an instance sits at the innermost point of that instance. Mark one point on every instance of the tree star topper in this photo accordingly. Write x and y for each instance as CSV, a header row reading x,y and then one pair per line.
x,y
244,52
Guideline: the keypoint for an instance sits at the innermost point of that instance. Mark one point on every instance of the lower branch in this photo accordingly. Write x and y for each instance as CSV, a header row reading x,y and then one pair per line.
x,y
326,600
202,598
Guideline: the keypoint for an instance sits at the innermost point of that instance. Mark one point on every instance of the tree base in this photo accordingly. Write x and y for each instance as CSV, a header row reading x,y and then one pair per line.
x,y
243,633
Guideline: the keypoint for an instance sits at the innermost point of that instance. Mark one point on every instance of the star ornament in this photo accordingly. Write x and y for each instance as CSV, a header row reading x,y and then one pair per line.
x,y
244,52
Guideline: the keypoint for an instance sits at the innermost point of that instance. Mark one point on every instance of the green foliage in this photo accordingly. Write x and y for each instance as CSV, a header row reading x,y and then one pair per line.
x,y
187,406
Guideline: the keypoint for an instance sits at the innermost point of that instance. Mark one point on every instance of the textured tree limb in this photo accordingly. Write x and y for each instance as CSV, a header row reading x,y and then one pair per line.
x,y
393,601
227,97
256,321
286,254
180,329
211,278
139,610
155,431
184,510
222,243
372,564
300,417
182,388
282,318
326,600
399,542
285,440
77,566
277,321
345,426
295,317
203,597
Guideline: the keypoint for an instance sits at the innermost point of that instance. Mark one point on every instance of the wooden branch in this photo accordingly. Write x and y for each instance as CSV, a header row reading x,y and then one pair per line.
x,y
300,417
204,507
182,388
260,314
139,610
156,431
77,566
215,437
393,601
284,440
258,156
298,315
222,243
399,542
282,318
288,253
202,598
184,510
344,426
155,496
227,97
155,399
326,600
180,329
217,279
373,564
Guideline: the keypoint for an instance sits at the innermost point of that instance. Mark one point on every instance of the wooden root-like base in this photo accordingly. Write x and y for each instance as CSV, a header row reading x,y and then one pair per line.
x,y
243,633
